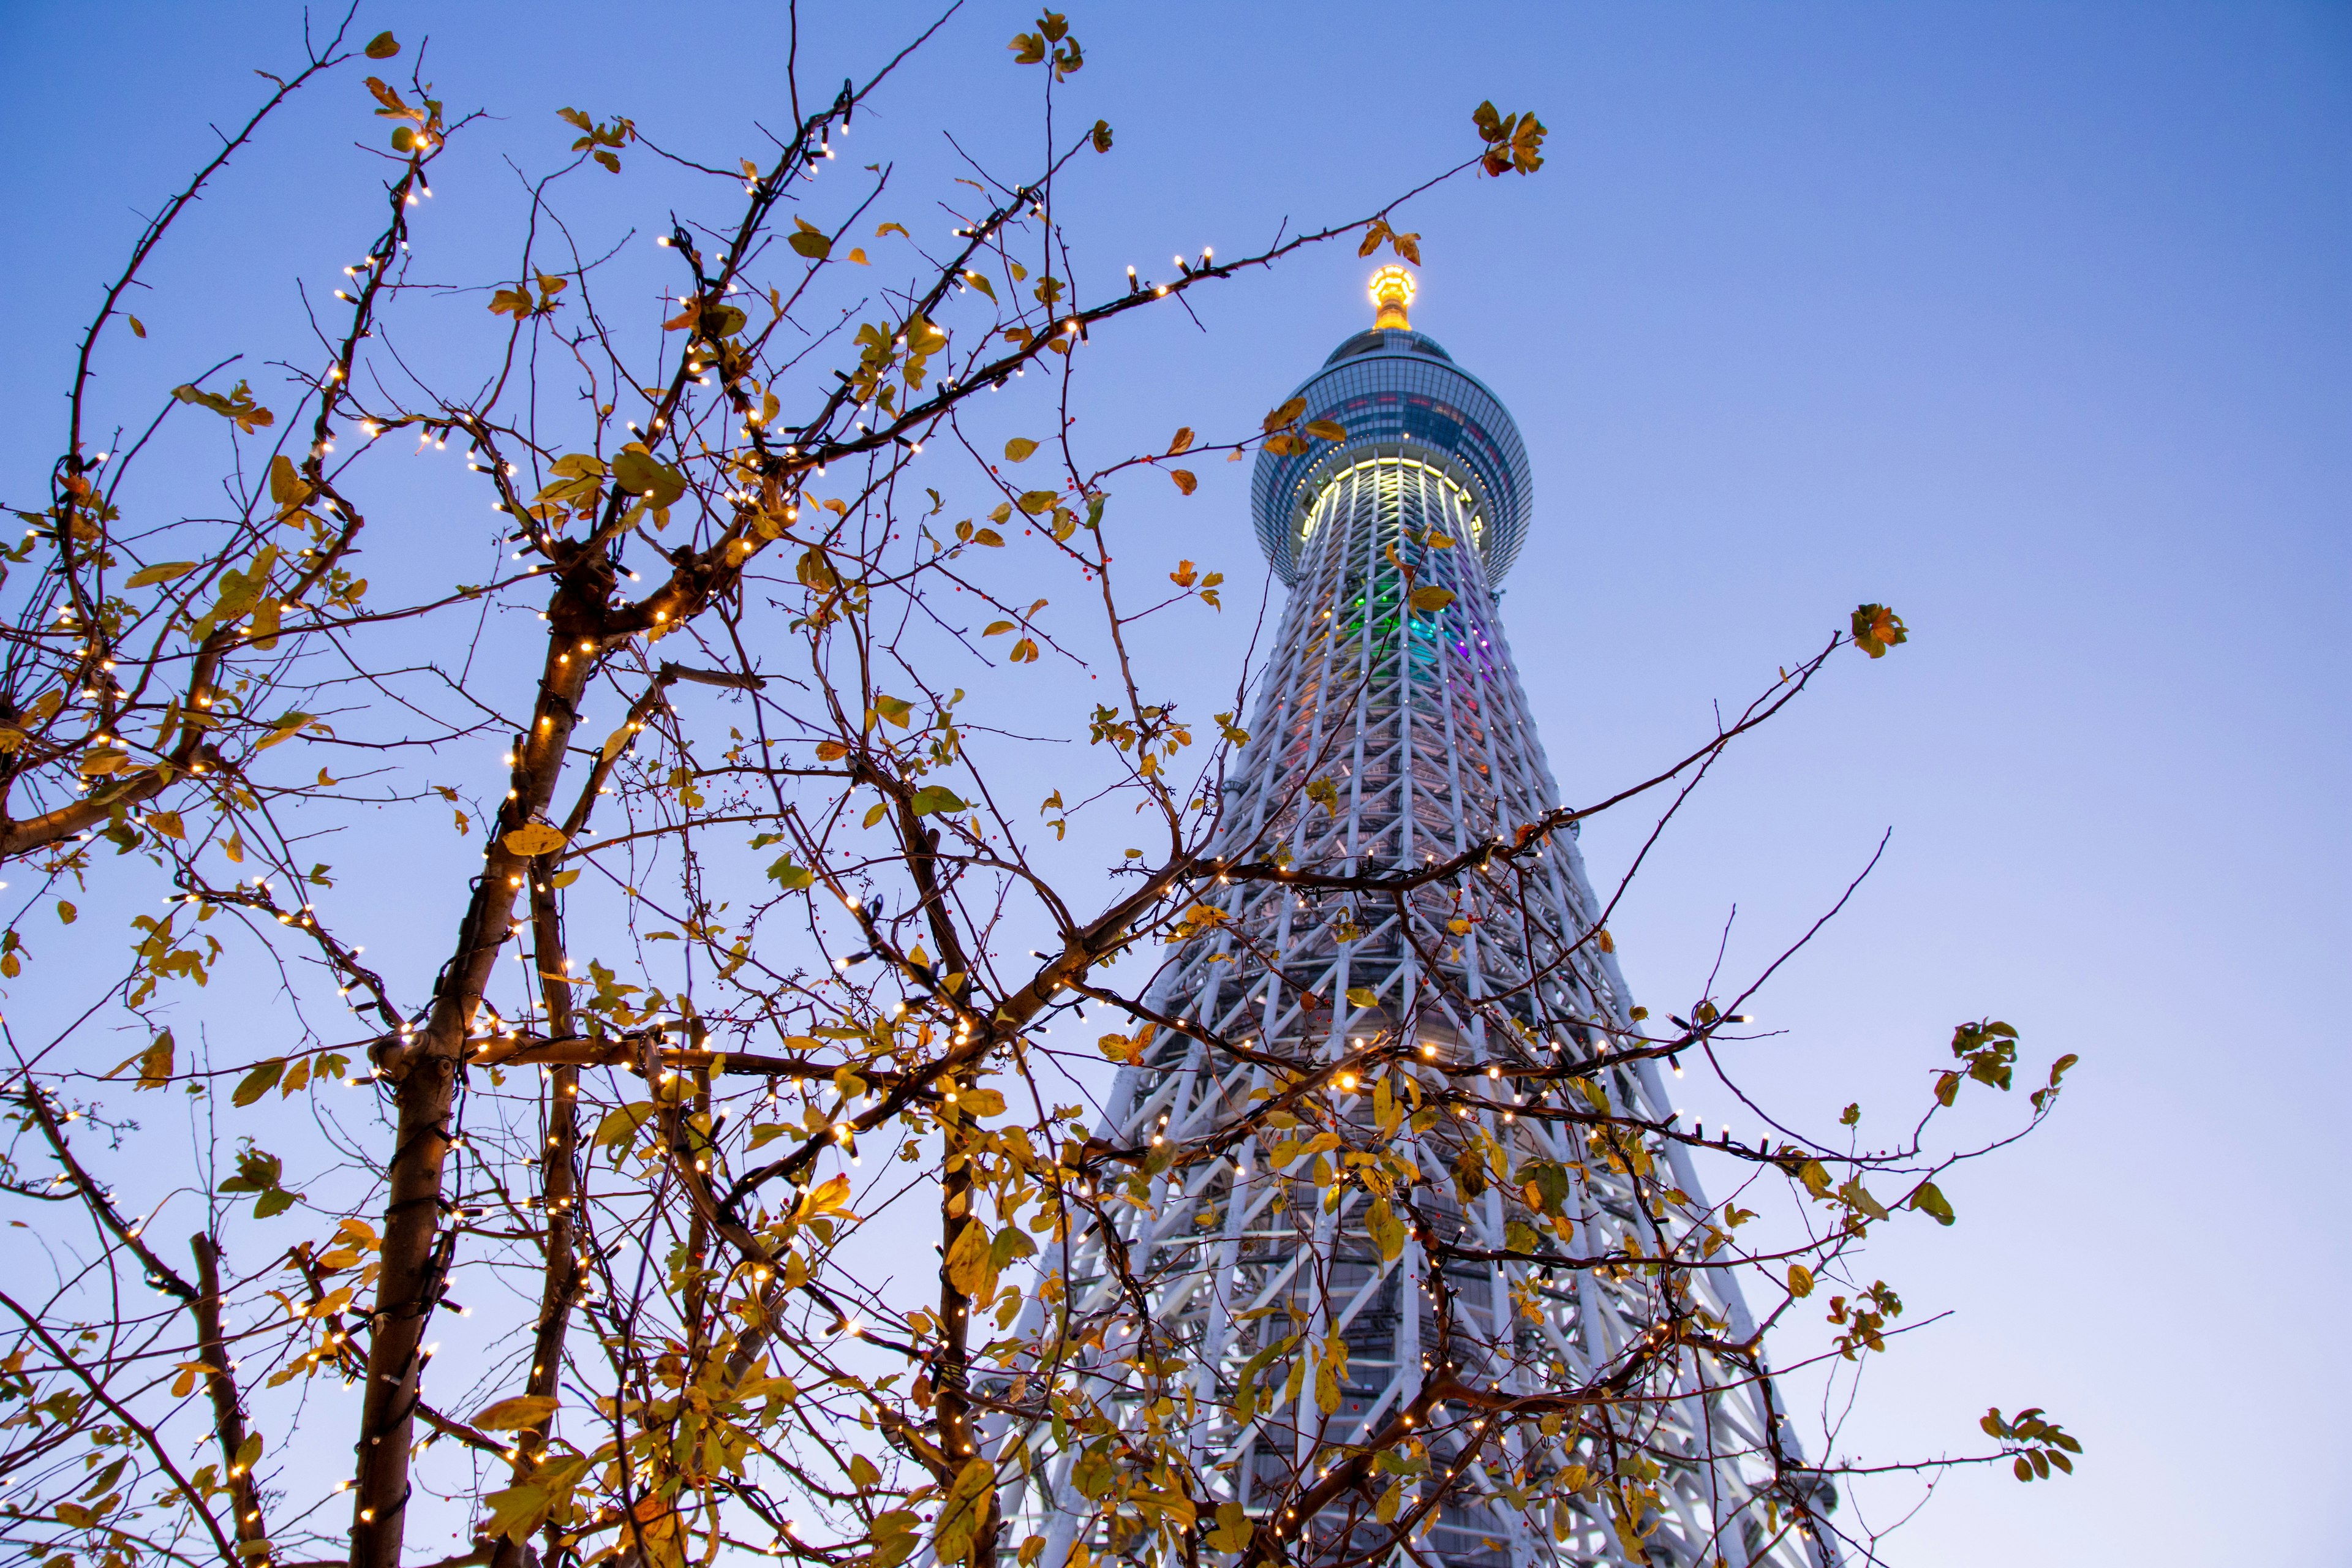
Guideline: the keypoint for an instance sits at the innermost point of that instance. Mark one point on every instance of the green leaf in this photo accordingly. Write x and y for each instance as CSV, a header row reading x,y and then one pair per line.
x,y
933,798
382,47
258,1082
791,875
161,572
1877,629
1930,1199
809,240
285,729
619,1127
1361,996
637,471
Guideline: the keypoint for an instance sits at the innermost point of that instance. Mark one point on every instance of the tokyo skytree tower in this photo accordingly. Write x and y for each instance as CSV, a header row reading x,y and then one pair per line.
x,y
1266,1311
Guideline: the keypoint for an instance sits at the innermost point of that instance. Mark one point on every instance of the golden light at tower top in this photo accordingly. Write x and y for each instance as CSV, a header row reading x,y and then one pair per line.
x,y
1392,290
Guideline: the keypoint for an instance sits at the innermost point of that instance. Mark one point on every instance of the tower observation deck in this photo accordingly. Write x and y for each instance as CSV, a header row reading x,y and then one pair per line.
x,y
1374,1240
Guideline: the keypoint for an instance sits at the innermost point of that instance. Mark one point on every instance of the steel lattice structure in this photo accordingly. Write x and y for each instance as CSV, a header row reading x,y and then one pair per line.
x,y
1416,719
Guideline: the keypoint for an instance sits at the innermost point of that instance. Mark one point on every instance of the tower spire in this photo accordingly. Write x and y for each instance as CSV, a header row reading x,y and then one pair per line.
x,y
1392,290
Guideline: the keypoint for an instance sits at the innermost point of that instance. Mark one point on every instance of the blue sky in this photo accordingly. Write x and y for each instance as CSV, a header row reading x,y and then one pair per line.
x,y
2034,322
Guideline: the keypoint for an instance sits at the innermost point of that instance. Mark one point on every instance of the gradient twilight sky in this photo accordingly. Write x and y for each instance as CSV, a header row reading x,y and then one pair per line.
x,y
2034,322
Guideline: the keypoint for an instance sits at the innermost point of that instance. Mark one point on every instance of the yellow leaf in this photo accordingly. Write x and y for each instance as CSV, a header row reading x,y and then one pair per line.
x,y
967,1261
155,1064
288,488
828,1195
535,838
1017,450
515,1412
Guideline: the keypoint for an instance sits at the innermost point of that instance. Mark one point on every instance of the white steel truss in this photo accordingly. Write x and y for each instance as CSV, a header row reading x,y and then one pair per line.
x,y
1210,1277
